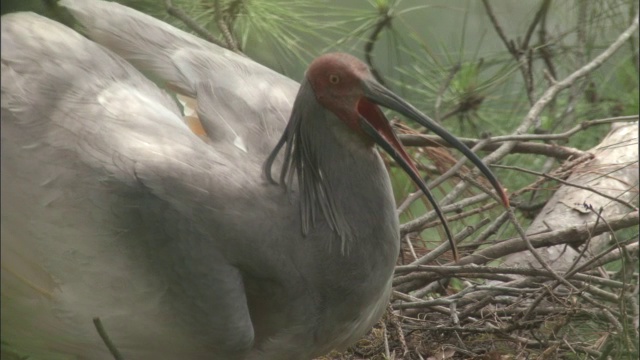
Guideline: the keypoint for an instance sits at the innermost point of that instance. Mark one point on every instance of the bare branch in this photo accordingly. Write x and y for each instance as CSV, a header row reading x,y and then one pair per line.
x,y
192,24
105,338
232,44
564,182
552,91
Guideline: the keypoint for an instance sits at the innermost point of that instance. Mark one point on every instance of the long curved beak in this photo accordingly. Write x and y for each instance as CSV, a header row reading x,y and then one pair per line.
x,y
383,96
374,124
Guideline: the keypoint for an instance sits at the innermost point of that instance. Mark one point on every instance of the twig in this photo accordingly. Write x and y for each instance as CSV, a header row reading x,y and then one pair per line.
x,y
475,269
442,248
561,172
552,91
521,54
567,134
556,151
563,280
559,152
568,183
445,85
232,44
543,47
607,256
407,240
574,234
192,24
544,7
490,230
440,179
105,338
417,223
466,214
385,336
383,21
498,27
396,324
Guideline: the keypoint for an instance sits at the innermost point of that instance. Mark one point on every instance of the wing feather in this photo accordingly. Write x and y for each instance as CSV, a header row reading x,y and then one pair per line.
x,y
247,111
102,187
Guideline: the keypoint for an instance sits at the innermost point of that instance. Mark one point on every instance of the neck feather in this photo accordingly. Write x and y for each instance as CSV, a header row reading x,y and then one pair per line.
x,y
329,164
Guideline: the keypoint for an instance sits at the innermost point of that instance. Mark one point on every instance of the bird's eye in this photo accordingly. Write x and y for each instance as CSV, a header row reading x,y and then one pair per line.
x,y
334,79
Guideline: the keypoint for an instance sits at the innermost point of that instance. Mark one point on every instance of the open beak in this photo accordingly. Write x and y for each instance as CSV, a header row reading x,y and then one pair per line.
x,y
374,123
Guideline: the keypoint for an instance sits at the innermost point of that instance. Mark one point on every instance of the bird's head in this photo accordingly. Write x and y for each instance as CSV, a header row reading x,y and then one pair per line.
x,y
345,86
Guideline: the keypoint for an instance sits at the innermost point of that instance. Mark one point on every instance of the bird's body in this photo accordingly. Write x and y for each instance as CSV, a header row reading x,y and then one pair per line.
x,y
113,208
122,213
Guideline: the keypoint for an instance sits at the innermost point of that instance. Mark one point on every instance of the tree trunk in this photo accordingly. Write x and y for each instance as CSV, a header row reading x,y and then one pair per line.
x,y
613,171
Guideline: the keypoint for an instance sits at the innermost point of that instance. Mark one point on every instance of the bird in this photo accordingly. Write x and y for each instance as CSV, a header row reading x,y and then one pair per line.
x,y
233,214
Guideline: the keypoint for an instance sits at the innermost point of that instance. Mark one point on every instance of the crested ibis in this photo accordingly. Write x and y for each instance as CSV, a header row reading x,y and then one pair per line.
x,y
115,207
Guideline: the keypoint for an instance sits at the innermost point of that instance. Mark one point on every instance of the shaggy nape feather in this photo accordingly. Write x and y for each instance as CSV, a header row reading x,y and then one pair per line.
x,y
300,161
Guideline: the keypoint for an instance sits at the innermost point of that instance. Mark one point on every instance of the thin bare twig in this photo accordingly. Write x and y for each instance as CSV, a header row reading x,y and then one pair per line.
x,y
440,179
553,90
568,183
575,234
192,24
544,7
105,338
445,85
383,22
558,152
521,54
232,44
418,223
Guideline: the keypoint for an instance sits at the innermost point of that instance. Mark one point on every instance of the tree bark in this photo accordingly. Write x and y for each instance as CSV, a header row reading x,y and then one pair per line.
x,y
613,171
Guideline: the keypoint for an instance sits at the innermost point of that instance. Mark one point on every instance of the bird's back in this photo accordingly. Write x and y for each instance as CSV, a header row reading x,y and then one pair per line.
x,y
239,101
102,185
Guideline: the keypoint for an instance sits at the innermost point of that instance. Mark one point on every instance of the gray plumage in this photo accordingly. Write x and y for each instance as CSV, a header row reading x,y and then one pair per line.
x,y
113,208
